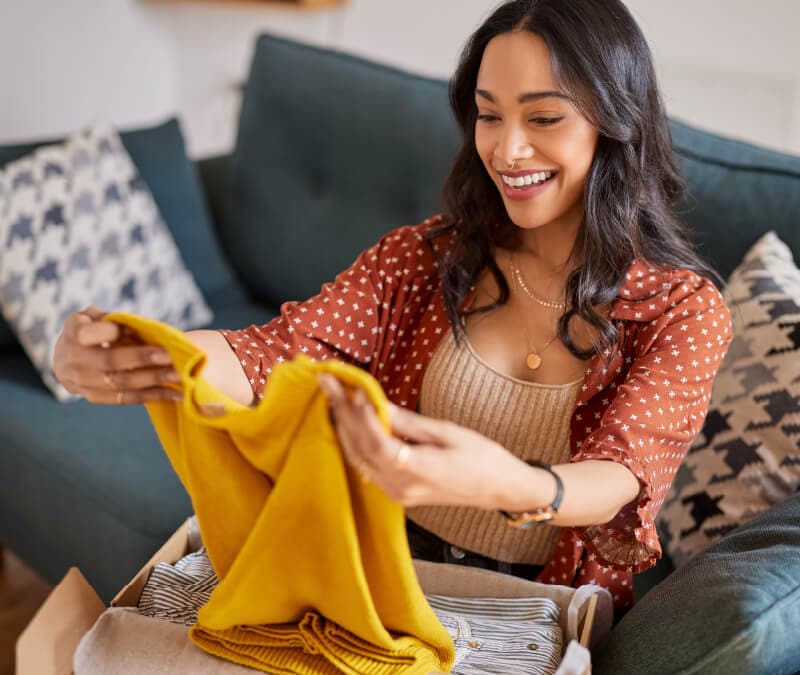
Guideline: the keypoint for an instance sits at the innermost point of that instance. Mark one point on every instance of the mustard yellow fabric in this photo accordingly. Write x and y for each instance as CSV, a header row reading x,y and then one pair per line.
x,y
314,566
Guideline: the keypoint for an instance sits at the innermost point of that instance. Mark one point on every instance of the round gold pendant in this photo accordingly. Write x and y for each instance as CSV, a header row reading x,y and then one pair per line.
x,y
533,361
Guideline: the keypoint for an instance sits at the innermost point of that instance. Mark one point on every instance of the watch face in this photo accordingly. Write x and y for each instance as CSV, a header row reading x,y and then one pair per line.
x,y
536,518
530,519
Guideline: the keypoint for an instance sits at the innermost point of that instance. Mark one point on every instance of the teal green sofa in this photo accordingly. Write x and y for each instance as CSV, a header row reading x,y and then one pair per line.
x,y
332,151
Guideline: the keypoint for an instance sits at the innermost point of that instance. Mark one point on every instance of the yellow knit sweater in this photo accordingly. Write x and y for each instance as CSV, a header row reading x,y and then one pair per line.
x,y
314,567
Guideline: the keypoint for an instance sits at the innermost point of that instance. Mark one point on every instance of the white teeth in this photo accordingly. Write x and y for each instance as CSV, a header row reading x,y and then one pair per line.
x,y
529,179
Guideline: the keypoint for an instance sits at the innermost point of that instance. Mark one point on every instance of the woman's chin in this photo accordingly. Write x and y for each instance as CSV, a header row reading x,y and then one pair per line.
x,y
525,221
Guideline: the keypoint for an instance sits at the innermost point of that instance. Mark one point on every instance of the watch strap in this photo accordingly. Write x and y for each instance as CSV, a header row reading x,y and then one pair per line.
x,y
528,518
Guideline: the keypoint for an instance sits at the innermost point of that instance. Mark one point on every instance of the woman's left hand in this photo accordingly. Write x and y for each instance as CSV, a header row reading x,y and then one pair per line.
x,y
447,464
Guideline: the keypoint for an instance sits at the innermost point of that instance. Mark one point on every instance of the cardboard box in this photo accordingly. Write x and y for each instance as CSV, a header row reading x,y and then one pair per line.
x,y
48,644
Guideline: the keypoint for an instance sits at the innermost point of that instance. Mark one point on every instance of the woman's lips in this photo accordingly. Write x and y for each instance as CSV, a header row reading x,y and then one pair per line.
x,y
528,192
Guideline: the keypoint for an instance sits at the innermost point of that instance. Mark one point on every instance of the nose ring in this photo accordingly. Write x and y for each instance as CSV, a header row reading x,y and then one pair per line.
x,y
513,162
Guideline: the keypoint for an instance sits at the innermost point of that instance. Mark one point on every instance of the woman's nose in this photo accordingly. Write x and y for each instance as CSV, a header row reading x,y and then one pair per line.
x,y
514,145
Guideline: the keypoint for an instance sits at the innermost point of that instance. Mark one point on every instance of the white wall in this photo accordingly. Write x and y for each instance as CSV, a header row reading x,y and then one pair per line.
x,y
727,65
63,64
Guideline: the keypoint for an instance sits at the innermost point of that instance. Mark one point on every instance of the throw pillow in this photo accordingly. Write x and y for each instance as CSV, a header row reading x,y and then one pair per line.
x,y
747,457
78,227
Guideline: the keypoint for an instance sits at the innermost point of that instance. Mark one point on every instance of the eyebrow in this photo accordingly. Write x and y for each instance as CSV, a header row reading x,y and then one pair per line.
x,y
526,97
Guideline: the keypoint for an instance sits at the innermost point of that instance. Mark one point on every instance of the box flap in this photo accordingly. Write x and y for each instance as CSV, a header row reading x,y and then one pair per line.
x,y
588,622
174,549
48,643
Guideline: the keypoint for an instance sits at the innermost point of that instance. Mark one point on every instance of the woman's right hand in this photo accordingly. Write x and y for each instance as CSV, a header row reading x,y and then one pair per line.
x,y
108,363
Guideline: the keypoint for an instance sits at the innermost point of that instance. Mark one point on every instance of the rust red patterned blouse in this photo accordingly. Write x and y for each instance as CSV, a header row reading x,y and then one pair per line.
x,y
385,313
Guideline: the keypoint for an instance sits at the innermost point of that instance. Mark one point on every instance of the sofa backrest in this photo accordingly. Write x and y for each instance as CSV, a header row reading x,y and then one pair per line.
x,y
334,150
737,192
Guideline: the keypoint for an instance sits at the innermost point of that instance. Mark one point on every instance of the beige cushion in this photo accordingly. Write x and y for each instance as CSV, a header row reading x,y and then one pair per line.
x,y
747,457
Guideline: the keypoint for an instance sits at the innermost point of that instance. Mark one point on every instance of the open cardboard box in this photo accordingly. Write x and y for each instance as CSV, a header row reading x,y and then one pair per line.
x,y
48,644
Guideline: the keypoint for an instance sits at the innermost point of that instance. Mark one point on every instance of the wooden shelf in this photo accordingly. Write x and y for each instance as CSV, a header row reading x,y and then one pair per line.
x,y
276,4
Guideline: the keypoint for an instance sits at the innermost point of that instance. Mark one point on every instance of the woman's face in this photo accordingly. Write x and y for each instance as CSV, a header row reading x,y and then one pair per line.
x,y
523,118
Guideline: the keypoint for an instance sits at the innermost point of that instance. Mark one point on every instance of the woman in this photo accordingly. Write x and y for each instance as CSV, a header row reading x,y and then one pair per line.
x,y
549,342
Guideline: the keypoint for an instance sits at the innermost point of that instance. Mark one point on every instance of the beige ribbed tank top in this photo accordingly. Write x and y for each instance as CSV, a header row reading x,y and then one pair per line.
x,y
531,420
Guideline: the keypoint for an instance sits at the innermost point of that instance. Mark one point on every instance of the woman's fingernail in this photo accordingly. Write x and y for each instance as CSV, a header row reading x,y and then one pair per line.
x,y
173,376
323,383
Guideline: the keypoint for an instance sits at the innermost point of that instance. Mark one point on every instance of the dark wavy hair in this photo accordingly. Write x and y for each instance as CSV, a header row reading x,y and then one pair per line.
x,y
601,59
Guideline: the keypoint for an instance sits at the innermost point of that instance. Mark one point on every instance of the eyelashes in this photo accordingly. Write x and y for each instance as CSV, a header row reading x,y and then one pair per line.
x,y
541,121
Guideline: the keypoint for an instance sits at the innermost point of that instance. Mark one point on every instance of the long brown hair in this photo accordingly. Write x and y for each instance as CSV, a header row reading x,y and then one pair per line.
x,y
600,58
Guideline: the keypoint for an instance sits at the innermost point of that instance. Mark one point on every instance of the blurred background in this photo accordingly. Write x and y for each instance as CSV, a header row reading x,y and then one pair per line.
x,y
731,66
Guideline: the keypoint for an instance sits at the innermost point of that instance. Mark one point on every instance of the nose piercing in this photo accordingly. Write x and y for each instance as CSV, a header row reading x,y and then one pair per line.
x,y
513,162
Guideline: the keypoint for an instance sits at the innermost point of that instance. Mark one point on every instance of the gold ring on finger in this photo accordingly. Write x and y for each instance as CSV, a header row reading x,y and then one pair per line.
x,y
403,453
119,397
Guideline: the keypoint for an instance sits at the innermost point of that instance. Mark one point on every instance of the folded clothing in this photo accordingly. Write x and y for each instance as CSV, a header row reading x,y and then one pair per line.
x,y
491,635
176,592
123,641
513,636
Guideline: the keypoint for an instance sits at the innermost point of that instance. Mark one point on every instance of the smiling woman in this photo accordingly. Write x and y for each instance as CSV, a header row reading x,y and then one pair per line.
x,y
535,145
536,425
566,87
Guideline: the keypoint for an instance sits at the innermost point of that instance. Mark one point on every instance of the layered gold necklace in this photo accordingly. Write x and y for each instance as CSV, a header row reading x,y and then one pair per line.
x,y
546,303
533,359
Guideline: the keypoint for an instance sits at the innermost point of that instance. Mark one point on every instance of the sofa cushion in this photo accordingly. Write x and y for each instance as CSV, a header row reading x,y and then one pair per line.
x,y
94,478
737,191
747,456
79,227
734,608
332,152
160,157
84,484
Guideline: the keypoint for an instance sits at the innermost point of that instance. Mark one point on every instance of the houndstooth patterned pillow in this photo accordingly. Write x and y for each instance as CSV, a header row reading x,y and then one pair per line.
x,y
747,457
78,227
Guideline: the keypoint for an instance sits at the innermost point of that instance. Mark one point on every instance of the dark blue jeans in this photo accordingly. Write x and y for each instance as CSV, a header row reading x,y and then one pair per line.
x,y
427,546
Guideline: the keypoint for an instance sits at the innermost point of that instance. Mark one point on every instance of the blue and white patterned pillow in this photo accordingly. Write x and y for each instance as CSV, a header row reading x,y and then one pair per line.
x,y
78,227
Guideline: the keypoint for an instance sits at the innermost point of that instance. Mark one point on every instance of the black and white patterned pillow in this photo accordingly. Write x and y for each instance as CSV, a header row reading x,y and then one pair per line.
x,y
78,227
747,457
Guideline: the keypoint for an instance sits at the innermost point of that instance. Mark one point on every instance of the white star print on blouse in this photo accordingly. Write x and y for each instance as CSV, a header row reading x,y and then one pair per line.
x,y
385,313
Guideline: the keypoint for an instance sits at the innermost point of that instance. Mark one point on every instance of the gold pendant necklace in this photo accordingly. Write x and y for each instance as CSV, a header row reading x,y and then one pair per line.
x,y
533,360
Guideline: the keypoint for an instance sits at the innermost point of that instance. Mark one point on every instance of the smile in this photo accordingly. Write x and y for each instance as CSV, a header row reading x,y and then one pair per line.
x,y
527,179
528,185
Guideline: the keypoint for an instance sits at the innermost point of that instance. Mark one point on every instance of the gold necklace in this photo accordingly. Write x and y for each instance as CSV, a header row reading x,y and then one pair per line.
x,y
515,272
534,357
